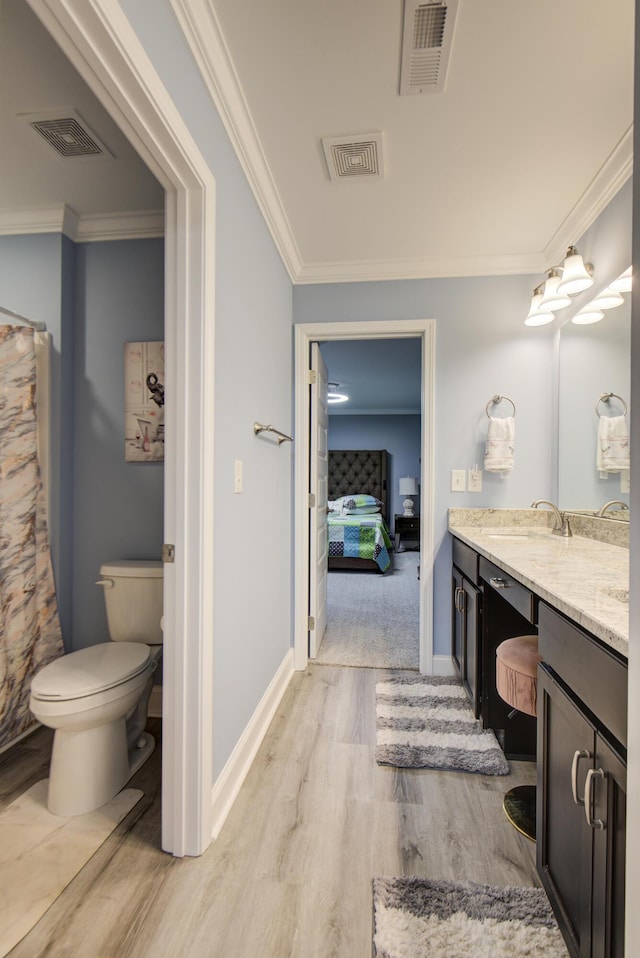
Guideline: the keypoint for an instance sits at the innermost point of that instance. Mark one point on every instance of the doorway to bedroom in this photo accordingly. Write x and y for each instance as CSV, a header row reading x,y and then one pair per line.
x,y
374,458
383,606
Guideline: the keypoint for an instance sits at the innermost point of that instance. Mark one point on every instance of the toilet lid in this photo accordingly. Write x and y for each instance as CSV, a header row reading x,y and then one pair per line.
x,y
95,669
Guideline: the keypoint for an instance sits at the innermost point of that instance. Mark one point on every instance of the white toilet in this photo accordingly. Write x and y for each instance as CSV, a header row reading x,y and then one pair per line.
x,y
96,699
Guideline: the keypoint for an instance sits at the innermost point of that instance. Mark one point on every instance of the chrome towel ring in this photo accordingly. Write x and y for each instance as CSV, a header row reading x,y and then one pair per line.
x,y
498,399
605,397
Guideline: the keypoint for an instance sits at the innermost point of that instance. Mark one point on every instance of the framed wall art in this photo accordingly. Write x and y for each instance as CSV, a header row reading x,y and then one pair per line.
x,y
144,402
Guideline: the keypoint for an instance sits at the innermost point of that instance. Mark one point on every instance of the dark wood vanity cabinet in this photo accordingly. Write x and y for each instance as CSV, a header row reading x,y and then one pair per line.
x,y
581,788
466,618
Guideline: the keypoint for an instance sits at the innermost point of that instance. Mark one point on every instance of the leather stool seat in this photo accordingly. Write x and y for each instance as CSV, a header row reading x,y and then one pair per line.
x,y
517,683
517,672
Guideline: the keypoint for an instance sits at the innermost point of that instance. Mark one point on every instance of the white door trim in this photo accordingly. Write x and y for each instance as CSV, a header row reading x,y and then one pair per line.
x,y
101,44
305,334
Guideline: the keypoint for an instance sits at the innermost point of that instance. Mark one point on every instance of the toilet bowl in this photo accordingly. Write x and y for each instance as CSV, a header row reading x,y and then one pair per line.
x,y
96,699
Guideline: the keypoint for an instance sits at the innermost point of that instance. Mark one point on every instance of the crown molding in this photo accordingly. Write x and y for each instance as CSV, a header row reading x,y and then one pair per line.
x,y
203,33
82,229
120,226
428,268
611,177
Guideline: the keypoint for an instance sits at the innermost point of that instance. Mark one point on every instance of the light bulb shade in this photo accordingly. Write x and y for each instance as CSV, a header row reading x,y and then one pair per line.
x,y
575,276
624,281
587,316
536,316
609,298
408,486
552,298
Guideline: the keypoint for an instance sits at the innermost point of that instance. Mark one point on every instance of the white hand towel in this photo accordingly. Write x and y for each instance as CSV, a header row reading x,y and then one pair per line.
x,y
500,446
613,444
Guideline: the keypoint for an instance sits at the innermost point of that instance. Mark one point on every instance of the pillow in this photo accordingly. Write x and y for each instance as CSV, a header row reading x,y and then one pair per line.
x,y
360,505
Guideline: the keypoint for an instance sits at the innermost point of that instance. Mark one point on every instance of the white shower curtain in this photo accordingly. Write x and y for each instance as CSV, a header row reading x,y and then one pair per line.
x,y
30,633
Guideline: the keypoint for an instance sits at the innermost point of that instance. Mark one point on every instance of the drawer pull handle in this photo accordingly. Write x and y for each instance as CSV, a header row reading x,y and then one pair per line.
x,y
499,583
460,599
588,798
577,755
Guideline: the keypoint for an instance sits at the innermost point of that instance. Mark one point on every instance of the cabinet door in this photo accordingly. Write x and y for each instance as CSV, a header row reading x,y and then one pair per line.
x,y
466,636
608,817
471,680
566,746
457,622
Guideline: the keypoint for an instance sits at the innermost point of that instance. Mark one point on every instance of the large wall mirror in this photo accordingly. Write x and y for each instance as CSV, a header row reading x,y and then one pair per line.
x,y
593,360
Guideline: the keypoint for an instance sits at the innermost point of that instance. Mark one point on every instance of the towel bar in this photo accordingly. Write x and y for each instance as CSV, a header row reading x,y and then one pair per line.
x,y
282,436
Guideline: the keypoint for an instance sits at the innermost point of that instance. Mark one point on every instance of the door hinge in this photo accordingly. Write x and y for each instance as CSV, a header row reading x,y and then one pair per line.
x,y
312,500
311,623
168,552
313,377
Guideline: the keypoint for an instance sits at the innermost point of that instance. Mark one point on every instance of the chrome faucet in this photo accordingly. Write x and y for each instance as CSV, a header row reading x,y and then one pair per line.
x,y
561,527
612,502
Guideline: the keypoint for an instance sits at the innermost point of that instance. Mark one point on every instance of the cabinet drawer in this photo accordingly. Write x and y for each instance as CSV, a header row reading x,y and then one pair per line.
x,y
592,672
466,560
511,591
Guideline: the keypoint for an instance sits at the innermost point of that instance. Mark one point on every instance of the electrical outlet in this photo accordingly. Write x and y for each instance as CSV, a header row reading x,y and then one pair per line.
x,y
458,480
474,483
625,485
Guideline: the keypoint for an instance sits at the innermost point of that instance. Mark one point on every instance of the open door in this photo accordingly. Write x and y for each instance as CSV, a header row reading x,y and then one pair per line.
x,y
319,471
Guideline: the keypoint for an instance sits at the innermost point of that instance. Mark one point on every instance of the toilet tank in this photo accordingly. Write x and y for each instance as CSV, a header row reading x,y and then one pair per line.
x,y
133,599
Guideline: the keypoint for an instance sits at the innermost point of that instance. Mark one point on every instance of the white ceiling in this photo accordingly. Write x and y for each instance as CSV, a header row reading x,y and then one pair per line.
x,y
380,376
499,173
37,78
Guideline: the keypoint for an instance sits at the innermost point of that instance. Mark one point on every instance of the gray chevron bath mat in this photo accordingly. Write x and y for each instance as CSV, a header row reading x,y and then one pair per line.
x,y
426,722
416,918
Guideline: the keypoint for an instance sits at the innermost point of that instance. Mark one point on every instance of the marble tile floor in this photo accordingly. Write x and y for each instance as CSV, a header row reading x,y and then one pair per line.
x,y
41,853
290,874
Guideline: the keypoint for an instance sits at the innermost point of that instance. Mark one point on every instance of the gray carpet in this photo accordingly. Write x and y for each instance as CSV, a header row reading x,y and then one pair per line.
x,y
419,918
426,721
373,620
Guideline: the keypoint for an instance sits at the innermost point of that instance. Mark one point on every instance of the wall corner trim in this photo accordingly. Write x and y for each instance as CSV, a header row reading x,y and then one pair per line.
x,y
442,665
229,782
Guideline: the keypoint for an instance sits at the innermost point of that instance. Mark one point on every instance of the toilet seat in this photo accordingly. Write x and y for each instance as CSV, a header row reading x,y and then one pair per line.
x,y
90,671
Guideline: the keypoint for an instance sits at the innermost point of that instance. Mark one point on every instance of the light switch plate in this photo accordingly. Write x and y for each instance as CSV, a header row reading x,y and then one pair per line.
x,y
458,480
625,485
237,475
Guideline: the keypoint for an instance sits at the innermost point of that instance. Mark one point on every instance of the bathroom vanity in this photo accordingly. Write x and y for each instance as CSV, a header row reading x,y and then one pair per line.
x,y
511,576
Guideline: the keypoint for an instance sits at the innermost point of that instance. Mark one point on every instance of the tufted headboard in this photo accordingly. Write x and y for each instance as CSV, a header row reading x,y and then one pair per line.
x,y
359,471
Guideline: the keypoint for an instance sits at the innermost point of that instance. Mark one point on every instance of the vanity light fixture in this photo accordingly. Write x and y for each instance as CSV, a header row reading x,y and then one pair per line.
x,y
561,283
552,298
588,315
609,298
536,315
576,274
624,281
334,396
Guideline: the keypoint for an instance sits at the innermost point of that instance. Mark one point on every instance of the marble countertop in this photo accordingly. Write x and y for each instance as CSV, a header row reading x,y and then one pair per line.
x,y
584,578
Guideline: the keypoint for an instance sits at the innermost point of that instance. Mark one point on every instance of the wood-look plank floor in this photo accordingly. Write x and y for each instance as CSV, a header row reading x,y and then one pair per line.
x,y
290,875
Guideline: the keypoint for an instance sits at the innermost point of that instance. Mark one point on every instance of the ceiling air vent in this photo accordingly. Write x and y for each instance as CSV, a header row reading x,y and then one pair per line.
x,y
68,134
352,156
426,45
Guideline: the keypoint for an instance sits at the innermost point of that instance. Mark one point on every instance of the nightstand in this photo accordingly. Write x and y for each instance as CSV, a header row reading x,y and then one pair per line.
x,y
407,527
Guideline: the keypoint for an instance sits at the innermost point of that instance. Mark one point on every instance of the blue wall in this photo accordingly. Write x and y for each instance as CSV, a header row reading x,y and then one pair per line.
x,y
118,505
254,380
93,298
399,435
482,348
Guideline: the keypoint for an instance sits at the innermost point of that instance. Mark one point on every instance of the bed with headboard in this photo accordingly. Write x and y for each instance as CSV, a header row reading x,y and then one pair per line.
x,y
359,539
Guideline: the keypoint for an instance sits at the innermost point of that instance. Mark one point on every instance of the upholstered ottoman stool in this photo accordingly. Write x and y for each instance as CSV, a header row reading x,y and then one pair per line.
x,y
517,683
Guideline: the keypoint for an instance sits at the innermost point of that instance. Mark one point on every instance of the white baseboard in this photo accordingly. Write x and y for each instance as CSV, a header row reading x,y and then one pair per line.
x,y
443,665
154,708
228,783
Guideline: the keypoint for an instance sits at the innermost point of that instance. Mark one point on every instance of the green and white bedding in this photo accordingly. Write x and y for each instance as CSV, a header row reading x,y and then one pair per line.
x,y
360,537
